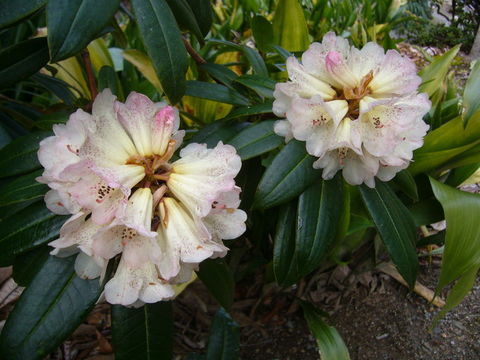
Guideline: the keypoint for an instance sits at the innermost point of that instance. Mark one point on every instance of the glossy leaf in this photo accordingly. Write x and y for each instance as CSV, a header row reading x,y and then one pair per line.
x,y
107,78
396,227
262,31
22,60
289,174
258,109
471,94
28,264
22,189
49,310
217,131
330,344
256,139
224,339
29,228
202,9
73,24
462,242
164,44
143,63
289,26
185,18
144,333
427,212
20,156
404,180
220,73
218,278
315,223
261,85
13,11
215,92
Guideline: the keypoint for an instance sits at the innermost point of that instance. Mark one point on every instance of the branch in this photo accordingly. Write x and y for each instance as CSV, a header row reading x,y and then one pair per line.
x,y
91,78
196,56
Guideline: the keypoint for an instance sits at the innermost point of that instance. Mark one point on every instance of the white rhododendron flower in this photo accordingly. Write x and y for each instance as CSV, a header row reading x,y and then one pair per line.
x,y
357,110
112,170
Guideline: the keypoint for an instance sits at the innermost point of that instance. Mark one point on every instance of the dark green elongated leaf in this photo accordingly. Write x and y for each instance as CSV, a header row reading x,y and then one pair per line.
x,y
29,228
27,265
461,174
215,92
20,156
202,9
144,333
261,85
262,32
396,227
5,137
427,212
288,175
458,292
73,24
48,311
471,94
22,189
285,265
22,60
217,131
404,180
462,242
47,121
220,73
319,210
185,17
13,11
218,278
330,344
164,44
257,109
58,87
107,78
256,140
224,339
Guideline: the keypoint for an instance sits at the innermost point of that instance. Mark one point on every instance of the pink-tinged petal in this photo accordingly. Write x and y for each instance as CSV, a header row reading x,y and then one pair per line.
x,y
136,116
339,71
107,243
186,273
396,75
138,213
348,135
201,174
87,267
360,169
154,291
365,61
282,101
60,203
164,128
139,250
387,173
283,128
109,144
181,238
329,163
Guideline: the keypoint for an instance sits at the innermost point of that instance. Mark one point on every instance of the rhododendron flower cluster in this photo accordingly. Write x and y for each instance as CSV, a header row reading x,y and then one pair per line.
x,y
357,109
113,171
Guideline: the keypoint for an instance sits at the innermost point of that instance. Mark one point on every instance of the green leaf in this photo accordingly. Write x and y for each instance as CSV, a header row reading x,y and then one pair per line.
x,y
144,333
21,60
257,109
27,265
73,24
434,75
224,339
471,94
289,174
218,278
185,17
13,11
217,131
107,78
27,229
256,140
427,212
404,180
220,73
215,92
262,31
48,311
458,292
462,242
306,232
202,9
164,44
22,189
262,86
396,227
290,27
330,344
20,156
